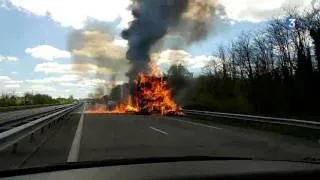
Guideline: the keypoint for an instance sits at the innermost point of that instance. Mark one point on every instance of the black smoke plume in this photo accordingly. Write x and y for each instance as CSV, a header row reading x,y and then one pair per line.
x,y
153,19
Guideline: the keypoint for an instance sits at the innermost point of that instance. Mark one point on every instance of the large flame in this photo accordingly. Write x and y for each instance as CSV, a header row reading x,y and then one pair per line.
x,y
120,108
151,95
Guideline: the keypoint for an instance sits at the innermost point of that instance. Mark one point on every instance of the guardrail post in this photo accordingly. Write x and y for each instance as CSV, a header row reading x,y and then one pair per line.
x,y
31,139
14,148
60,119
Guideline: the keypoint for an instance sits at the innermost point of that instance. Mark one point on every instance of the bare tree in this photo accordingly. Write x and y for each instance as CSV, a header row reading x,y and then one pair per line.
x,y
312,22
263,50
243,50
222,56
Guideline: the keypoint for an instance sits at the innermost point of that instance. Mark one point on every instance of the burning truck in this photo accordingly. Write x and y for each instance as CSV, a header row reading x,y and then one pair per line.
x,y
150,95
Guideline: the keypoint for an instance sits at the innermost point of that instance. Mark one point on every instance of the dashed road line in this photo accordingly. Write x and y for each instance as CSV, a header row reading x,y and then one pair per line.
x,y
158,130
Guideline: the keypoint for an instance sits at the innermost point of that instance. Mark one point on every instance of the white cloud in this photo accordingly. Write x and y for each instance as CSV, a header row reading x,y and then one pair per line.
x,y
259,10
42,89
6,83
3,4
55,86
8,58
14,72
198,62
75,12
47,53
121,42
13,86
68,84
15,82
4,78
170,57
78,88
49,80
85,83
57,68
8,80
54,67
78,79
61,86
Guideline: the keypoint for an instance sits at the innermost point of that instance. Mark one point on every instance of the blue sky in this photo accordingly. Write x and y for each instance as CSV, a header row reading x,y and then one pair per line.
x,y
36,55
20,31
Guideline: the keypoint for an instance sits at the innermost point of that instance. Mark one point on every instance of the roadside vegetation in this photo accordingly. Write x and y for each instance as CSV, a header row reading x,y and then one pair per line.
x,y
12,99
270,72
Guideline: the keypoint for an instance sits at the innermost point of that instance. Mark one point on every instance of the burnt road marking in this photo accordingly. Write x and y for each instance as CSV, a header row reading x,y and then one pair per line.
x,y
196,124
75,147
158,130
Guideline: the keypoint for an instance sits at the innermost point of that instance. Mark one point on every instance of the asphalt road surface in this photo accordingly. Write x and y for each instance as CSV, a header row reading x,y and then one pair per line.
x,y
127,136
89,137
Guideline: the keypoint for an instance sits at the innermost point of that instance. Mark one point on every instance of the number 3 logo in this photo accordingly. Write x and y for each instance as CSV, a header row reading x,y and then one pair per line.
x,y
292,22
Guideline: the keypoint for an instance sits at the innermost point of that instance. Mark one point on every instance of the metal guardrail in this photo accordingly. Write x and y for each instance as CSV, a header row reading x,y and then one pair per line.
x,y
13,136
270,120
9,117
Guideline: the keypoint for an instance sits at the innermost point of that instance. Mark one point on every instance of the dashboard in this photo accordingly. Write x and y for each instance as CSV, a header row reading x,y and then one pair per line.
x,y
217,169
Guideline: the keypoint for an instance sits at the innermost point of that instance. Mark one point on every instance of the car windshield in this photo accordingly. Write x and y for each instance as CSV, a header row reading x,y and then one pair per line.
x,y
97,80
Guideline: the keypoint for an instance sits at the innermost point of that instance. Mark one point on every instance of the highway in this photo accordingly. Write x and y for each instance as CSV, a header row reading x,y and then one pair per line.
x,y
14,115
127,136
89,137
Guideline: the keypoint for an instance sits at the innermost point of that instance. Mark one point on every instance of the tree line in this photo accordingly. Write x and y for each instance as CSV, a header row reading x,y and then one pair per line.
x,y
11,99
272,71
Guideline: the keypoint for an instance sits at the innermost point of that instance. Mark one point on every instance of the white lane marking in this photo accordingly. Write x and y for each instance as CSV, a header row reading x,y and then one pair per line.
x,y
75,147
197,124
158,130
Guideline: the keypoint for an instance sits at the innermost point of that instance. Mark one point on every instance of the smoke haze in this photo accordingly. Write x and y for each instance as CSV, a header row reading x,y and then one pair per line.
x,y
95,45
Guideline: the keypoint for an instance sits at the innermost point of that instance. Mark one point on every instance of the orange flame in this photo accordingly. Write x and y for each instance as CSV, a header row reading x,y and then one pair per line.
x,y
151,96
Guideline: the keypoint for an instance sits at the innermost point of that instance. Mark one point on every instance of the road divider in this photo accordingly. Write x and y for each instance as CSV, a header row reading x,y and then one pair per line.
x,y
269,120
14,135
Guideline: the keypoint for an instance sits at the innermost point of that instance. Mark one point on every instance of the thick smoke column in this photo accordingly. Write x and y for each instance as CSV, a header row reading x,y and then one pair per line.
x,y
153,19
